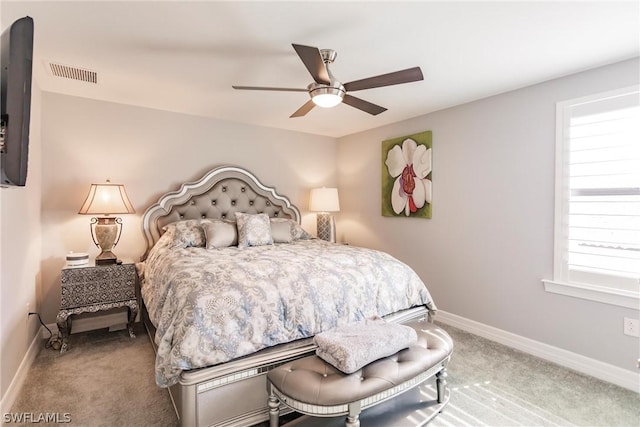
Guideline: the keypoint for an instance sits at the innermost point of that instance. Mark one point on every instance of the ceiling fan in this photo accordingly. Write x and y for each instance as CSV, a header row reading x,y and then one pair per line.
x,y
326,91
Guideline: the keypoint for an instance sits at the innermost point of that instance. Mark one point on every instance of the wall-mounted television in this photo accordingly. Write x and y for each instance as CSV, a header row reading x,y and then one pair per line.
x,y
16,57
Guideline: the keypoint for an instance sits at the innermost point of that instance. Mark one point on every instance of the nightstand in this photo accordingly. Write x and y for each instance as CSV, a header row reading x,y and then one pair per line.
x,y
91,288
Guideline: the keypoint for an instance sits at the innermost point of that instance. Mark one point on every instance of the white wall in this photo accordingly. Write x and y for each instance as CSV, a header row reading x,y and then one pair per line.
x,y
20,263
152,152
490,241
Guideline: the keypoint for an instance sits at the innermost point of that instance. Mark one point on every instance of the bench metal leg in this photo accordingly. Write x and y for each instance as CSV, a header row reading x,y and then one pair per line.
x,y
441,383
274,409
353,418
352,421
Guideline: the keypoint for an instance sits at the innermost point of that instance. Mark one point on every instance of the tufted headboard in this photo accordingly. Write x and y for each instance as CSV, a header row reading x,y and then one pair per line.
x,y
219,194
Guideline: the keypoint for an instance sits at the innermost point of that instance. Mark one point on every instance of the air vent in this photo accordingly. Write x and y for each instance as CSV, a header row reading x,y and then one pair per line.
x,y
73,73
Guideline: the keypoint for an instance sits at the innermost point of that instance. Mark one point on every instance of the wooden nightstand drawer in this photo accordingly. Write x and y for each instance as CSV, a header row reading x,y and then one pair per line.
x,y
83,286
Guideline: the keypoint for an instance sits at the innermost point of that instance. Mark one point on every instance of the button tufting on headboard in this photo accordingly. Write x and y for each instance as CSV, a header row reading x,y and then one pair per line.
x,y
219,194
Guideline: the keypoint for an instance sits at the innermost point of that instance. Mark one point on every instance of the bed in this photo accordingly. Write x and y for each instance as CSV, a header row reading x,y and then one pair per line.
x,y
222,309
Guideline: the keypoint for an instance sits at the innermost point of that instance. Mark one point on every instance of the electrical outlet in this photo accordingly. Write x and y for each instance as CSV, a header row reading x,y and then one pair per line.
x,y
632,327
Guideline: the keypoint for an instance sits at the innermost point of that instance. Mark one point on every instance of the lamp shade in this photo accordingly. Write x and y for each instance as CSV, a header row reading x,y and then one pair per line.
x,y
324,200
106,199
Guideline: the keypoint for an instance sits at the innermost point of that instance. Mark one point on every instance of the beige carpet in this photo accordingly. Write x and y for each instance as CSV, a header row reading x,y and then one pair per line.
x,y
495,385
106,379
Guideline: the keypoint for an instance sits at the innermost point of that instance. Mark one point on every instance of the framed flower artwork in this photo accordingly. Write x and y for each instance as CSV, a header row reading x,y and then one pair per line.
x,y
406,176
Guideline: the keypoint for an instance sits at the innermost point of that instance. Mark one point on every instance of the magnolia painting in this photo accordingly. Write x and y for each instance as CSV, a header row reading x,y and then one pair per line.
x,y
406,176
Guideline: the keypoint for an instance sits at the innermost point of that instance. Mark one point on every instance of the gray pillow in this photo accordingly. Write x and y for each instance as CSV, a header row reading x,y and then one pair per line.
x,y
187,233
281,230
279,225
253,230
299,233
220,234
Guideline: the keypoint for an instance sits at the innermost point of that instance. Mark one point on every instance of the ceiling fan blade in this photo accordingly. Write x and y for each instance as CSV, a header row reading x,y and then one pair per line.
x,y
304,109
312,59
363,105
281,89
405,76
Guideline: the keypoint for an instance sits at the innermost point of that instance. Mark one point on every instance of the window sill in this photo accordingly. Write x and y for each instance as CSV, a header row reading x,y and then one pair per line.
x,y
622,298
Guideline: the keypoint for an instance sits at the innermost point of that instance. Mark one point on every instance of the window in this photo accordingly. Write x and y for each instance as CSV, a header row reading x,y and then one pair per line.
x,y
597,218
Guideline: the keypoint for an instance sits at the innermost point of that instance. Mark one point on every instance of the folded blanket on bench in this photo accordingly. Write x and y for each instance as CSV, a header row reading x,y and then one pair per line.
x,y
352,346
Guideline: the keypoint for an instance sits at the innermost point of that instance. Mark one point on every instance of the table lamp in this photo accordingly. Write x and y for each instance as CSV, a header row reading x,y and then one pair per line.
x,y
104,200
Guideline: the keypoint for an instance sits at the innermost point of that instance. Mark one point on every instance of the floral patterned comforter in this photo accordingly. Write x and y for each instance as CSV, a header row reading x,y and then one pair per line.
x,y
211,306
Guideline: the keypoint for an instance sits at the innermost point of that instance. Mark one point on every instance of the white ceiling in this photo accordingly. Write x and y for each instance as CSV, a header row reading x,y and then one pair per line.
x,y
184,56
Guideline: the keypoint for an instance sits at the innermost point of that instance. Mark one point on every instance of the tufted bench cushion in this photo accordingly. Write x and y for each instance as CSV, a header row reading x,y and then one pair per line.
x,y
312,386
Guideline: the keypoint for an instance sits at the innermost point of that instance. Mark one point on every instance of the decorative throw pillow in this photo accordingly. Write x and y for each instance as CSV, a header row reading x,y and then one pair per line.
x,y
220,234
299,233
187,233
281,230
279,225
253,230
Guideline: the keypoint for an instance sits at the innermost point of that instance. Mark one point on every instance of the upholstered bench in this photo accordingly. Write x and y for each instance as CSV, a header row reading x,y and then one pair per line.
x,y
313,387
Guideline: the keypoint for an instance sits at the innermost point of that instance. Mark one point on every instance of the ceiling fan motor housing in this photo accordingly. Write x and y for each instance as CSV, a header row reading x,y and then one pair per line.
x,y
334,91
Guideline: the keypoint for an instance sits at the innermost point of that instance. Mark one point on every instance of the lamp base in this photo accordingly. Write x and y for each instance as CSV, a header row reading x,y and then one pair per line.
x,y
326,227
106,257
107,233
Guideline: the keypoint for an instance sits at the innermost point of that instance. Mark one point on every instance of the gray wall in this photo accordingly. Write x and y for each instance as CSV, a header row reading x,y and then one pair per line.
x,y
483,254
20,260
490,241
153,152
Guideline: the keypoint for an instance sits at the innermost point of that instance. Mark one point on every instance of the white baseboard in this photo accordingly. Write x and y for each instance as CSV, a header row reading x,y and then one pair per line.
x,y
10,396
595,368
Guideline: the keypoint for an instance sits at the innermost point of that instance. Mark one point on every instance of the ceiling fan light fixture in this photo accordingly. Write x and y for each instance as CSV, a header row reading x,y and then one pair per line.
x,y
326,91
327,96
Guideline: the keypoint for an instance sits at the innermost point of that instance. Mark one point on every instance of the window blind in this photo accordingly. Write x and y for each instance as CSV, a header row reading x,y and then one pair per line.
x,y
602,192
